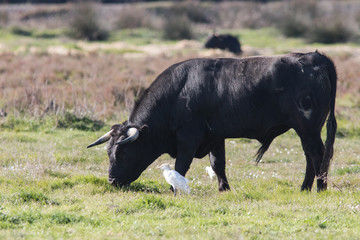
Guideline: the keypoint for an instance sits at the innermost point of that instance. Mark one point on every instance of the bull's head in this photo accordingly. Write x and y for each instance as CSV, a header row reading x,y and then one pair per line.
x,y
126,150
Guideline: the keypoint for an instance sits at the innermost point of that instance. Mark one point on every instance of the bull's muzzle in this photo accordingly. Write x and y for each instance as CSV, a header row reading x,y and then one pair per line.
x,y
112,181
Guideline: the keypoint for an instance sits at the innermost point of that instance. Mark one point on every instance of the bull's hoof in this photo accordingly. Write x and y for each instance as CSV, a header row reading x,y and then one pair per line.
x,y
321,188
305,188
321,185
224,186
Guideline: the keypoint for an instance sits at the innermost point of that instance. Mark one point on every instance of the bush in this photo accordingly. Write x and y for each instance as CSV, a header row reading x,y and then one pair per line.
x,y
178,27
296,16
26,124
133,17
308,20
329,32
4,18
195,12
70,120
292,27
46,34
85,24
21,31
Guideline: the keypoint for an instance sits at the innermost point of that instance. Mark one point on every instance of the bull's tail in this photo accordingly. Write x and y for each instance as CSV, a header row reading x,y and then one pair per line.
x,y
331,124
261,151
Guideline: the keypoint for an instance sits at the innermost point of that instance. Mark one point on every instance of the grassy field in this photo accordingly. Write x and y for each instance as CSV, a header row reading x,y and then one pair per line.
x,y
62,94
53,187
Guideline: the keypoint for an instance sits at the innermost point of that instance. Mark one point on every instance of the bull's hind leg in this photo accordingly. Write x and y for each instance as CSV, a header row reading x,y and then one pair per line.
x,y
314,152
217,161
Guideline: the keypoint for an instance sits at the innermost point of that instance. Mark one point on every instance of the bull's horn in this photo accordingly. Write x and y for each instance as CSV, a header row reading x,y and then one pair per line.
x,y
133,134
102,139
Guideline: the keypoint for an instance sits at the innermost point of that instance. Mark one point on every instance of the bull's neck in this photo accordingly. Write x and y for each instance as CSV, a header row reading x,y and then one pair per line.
x,y
153,114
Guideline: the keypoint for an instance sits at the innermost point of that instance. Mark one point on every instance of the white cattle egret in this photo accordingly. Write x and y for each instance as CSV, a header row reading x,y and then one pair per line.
x,y
210,171
175,179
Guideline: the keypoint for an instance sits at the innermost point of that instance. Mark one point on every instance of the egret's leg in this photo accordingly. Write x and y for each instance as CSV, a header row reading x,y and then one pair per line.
x,y
217,161
174,191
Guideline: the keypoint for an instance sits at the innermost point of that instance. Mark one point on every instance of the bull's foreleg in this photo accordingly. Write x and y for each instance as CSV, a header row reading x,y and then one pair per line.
x,y
314,151
217,161
184,158
188,139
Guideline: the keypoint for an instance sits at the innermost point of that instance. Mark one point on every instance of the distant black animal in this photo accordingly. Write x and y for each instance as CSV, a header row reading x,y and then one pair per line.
x,y
3,113
224,42
193,106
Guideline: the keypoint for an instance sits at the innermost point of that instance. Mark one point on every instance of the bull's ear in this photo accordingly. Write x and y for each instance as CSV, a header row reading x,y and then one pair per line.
x,y
144,132
144,129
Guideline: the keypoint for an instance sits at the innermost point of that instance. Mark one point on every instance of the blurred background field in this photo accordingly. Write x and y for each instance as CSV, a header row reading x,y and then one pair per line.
x,y
94,59
70,71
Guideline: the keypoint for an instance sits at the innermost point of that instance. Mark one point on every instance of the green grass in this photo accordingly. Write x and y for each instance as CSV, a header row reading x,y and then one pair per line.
x,y
141,36
268,37
30,39
53,187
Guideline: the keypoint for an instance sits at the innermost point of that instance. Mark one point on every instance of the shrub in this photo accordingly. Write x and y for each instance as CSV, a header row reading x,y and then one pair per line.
x,y
46,34
70,120
133,17
21,31
295,16
4,18
329,32
292,27
308,19
26,124
178,27
85,24
195,12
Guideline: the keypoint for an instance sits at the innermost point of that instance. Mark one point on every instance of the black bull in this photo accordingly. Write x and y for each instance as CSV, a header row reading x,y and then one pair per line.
x,y
225,42
193,106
